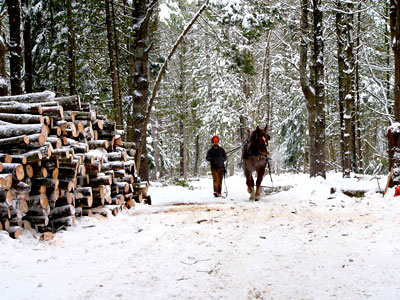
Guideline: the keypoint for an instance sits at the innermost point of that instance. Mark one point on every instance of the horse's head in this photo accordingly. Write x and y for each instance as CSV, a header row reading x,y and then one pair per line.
x,y
258,141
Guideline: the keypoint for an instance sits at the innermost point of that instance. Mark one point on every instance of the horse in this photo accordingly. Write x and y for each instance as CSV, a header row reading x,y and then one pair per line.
x,y
255,159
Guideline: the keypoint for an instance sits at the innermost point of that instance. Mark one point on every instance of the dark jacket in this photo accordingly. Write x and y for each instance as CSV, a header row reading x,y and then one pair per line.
x,y
216,156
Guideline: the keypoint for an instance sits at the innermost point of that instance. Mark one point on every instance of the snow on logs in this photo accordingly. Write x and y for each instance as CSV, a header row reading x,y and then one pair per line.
x,y
60,160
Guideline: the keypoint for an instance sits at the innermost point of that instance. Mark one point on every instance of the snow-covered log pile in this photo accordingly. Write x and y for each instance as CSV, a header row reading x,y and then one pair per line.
x,y
59,160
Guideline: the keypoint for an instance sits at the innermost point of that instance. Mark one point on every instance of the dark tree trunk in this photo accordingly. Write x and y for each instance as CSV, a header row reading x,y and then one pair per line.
x,y
359,159
28,50
395,35
315,97
346,61
14,14
3,73
317,165
113,71
71,50
117,64
138,77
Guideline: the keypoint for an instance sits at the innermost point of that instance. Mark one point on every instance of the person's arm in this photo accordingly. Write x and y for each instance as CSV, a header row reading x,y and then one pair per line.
x,y
209,155
224,154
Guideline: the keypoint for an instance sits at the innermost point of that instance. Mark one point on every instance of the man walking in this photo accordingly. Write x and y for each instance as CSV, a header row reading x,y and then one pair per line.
x,y
217,156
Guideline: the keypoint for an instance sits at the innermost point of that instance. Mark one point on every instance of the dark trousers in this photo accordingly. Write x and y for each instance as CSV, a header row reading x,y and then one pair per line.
x,y
218,175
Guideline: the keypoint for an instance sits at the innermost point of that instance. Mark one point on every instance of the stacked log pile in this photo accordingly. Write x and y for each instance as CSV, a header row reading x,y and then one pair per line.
x,y
60,160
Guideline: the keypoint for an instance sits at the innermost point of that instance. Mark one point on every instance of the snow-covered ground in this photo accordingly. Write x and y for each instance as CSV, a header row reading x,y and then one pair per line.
x,y
299,244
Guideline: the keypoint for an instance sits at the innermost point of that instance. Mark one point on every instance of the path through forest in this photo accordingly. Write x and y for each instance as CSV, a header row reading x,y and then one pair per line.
x,y
293,245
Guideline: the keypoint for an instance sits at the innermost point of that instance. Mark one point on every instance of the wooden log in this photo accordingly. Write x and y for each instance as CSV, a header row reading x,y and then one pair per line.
x,y
5,212
98,124
6,181
22,118
63,125
55,142
20,108
70,102
47,182
82,180
67,185
117,156
21,187
37,140
32,156
41,199
113,165
6,224
16,170
78,211
118,141
79,126
54,112
63,152
69,116
15,141
37,220
29,170
38,210
101,180
84,201
87,212
130,203
67,199
19,159
18,130
123,187
38,189
6,196
14,231
45,96
62,211
98,144
46,236
5,158
53,194
100,211
83,191
23,207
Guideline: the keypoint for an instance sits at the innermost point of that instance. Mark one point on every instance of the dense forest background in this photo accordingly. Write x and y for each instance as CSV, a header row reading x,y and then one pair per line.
x,y
321,74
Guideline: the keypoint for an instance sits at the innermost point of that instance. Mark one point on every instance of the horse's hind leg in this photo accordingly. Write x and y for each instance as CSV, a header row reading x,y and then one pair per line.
x,y
260,175
250,183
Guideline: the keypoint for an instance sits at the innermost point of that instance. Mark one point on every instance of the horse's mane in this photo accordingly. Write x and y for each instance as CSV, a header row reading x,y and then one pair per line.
x,y
256,144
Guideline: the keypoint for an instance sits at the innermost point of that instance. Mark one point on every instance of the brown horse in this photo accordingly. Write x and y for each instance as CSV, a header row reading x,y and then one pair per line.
x,y
255,158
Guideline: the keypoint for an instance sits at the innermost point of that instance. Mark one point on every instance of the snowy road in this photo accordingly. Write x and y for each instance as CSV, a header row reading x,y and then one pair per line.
x,y
293,245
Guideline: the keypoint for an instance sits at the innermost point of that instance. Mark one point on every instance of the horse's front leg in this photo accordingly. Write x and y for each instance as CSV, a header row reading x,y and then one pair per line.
x,y
250,183
260,175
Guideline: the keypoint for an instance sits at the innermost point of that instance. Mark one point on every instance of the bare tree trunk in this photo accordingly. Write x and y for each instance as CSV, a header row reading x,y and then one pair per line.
x,y
113,72
71,50
182,121
157,152
395,36
315,97
117,64
317,166
28,50
14,14
345,33
3,73
359,142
